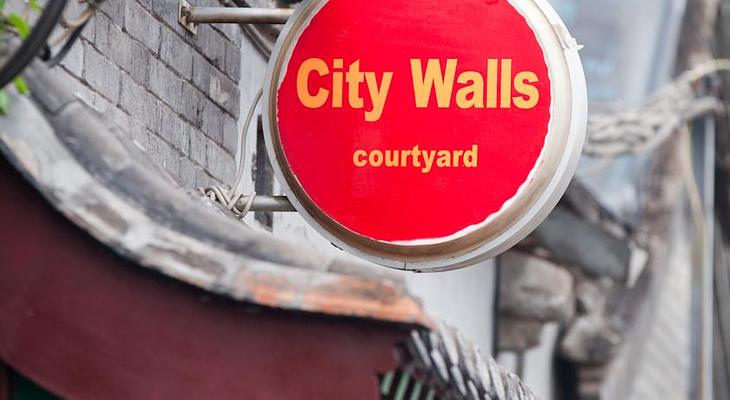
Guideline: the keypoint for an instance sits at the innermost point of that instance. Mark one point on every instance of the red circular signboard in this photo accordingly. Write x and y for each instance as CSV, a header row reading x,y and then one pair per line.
x,y
420,132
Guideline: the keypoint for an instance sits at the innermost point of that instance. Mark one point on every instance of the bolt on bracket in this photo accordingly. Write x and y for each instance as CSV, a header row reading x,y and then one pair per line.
x,y
184,10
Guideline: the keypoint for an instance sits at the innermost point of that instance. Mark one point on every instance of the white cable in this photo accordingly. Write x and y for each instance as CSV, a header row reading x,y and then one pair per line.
x,y
244,136
229,197
642,129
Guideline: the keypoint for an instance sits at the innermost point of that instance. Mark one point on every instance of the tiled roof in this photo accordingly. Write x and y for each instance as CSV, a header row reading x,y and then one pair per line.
x,y
102,183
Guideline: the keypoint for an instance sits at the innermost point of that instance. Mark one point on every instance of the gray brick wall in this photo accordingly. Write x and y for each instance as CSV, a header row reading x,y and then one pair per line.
x,y
176,95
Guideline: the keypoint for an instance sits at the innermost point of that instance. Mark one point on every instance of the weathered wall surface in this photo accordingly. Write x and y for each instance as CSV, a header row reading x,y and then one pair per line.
x,y
176,94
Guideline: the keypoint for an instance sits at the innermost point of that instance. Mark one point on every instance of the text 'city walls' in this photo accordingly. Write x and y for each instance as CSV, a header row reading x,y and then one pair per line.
x,y
439,82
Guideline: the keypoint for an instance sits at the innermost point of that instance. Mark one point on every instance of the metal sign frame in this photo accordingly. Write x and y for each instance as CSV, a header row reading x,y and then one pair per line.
x,y
520,215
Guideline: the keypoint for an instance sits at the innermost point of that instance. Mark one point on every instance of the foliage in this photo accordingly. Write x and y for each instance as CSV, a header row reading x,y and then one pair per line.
x,y
15,24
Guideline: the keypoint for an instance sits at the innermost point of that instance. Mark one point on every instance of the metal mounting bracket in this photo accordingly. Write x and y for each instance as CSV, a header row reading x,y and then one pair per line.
x,y
190,16
184,10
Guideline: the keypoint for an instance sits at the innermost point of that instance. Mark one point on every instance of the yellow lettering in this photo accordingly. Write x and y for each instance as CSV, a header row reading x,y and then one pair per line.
x,y
492,65
471,157
472,95
378,94
530,94
354,78
444,159
416,152
421,160
506,84
308,100
457,157
428,157
360,158
433,79
391,158
337,78
404,157
376,158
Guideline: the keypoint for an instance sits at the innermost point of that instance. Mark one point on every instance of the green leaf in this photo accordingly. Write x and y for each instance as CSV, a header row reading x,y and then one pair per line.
x,y
2,4
33,6
4,102
20,25
21,85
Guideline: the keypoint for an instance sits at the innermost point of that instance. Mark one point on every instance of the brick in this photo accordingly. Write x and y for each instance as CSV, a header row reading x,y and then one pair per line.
x,y
198,146
153,117
74,8
115,10
232,32
231,134
202,179
200,39
212,122
130,55
233,61
102,105
100,74
102,38
225,92
138,134
160,8
139,103
191,107
187,173
174,131
74,60
165,155
76,87
142,25
119,118
214,46
165,84
148,5
89,31
166,10
201,73
220,164
176,53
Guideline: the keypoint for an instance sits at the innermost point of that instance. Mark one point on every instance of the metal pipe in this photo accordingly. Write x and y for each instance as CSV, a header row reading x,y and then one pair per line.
x,y
267,204
708,267
238,15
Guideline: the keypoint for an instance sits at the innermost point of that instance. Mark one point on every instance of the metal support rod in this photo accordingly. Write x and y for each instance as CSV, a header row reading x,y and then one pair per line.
x,y
240,15
708,260
267,204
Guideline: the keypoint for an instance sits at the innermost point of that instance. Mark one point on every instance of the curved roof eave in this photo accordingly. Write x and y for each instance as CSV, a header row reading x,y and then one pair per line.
x,y
105,185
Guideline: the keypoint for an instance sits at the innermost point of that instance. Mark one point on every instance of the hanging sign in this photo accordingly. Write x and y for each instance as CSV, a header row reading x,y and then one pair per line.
x,y
425,135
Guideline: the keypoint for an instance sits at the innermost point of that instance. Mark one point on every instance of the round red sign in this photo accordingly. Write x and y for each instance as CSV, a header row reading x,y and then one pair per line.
x,y
416,134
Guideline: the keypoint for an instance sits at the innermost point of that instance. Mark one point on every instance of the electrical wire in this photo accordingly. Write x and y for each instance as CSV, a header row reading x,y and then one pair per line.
x,y
244,136
229,197
34,43
641,129
72,31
